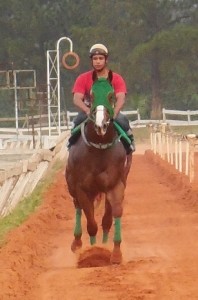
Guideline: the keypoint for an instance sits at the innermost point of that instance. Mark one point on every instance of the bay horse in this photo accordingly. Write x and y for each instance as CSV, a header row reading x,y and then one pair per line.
x,y
98,163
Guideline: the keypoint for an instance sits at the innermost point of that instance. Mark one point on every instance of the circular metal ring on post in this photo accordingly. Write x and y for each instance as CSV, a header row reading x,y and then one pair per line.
x,y
72,54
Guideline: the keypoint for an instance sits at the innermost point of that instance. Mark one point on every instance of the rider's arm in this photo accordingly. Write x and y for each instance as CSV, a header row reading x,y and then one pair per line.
x,y
120,100
78,101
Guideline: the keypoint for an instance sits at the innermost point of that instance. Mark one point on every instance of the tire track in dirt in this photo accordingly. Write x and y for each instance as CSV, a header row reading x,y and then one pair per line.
x,y
160,226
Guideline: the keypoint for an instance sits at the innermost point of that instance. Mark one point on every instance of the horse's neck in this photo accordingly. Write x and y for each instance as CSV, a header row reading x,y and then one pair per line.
x,y
93,137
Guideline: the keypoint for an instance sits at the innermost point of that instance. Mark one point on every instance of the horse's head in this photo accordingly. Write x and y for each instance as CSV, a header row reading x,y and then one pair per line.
x,y
102,109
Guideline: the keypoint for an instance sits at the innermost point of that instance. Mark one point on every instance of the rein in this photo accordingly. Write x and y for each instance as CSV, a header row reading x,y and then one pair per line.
x,y
97,145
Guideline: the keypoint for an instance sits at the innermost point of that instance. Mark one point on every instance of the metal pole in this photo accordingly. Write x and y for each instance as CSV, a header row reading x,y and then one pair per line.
x,y
58,72
48,93
16,103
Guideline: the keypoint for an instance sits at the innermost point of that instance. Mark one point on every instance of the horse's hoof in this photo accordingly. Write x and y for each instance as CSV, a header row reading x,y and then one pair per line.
x,y
116,257
76,244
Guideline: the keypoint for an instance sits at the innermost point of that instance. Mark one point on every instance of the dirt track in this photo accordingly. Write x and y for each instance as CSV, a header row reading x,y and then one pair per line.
x,y
160,245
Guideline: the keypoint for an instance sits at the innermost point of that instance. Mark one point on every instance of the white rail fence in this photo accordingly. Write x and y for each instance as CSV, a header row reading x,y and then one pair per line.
x,y
139,122
129,113
26,142
178,150
133,115
20,180
189,115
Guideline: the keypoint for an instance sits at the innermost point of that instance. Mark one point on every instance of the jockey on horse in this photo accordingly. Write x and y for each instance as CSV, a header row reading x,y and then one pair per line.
x,y
82,94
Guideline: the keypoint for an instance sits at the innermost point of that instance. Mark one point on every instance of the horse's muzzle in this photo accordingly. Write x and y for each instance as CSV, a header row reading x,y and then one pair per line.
x,y
101,130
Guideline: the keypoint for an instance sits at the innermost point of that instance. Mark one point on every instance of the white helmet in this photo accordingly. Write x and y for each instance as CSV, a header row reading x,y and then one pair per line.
x,y
98,49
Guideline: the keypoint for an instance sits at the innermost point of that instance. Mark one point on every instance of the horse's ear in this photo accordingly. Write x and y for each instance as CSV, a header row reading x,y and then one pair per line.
x,y
110,76
94,76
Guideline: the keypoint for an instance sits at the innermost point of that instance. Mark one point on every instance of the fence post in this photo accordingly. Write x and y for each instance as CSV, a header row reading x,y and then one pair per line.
x,y
176,153
180,155
163,135
191,163
168,147
150,127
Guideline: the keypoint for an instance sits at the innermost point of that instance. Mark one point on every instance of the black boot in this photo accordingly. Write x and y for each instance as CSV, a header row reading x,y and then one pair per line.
x,y
132,145
73,139
128,147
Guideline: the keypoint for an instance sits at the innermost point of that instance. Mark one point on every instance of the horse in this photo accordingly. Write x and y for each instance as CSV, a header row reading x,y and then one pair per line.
x,y
98,164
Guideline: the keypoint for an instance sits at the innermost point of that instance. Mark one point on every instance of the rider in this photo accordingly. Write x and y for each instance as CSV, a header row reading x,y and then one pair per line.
x,y
82,86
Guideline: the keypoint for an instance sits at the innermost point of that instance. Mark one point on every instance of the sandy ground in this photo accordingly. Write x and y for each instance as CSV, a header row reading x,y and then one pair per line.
x,y
160,245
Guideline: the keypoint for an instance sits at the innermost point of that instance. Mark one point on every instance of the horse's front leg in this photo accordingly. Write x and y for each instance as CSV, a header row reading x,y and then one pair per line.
x,y
86,202
107,221
77,242
92,227
115,197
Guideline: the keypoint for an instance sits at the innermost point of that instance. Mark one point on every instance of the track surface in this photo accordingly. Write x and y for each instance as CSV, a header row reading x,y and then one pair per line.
x,y
160,244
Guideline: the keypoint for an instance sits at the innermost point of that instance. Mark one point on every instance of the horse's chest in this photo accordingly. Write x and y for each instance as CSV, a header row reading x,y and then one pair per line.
x,y
97,170
101,177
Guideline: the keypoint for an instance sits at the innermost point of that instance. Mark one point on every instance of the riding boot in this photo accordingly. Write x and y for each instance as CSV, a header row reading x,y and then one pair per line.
x,y
73,139
129,147
132,145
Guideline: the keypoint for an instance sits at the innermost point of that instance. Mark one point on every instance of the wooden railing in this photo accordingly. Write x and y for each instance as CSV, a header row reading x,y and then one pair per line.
x,y
177,149
19,181
180,114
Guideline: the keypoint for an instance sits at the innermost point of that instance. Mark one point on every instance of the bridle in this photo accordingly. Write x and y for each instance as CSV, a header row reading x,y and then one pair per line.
x,y
101,146
102,112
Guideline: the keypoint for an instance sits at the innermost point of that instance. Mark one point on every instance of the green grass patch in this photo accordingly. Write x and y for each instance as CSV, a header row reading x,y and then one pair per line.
x,y
28,204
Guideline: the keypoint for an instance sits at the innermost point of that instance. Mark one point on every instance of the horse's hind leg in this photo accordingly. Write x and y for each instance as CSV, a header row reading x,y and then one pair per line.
x,y
115,198
107,221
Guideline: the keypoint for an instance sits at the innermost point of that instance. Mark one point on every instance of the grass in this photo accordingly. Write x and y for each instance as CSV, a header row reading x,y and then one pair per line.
x,y
28,205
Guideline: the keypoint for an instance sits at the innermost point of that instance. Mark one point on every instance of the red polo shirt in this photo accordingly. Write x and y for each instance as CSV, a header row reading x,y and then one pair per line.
x,y
84,83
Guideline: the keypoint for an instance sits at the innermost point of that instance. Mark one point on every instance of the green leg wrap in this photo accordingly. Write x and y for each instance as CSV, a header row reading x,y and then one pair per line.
x,y
117,230
78,228
92,240
105,237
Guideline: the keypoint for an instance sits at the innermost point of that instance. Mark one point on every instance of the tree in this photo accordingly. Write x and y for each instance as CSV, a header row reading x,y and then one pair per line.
x,y
152,43
154,22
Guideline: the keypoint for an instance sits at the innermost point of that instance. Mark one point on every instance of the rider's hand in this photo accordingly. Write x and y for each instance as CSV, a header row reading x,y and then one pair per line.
x,y
87,111
115,115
